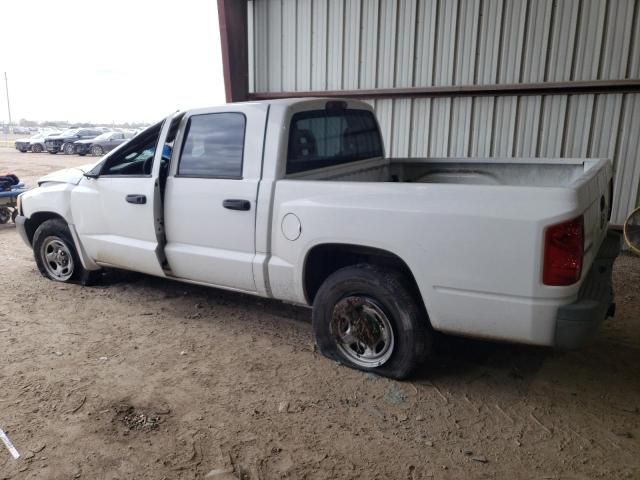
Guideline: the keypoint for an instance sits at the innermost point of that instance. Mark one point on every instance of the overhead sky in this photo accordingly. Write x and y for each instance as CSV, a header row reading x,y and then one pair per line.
x,y
117,60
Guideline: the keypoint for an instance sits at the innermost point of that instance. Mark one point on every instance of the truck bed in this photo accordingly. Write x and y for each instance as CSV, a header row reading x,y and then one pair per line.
x,y
532,172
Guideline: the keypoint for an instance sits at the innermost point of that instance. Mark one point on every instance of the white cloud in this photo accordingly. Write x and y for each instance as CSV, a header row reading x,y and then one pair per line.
x,y
83,60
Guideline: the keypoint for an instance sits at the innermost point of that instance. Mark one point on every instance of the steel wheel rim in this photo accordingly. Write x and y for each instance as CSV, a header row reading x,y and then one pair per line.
x,y
57,259
96,150
362,331
69,149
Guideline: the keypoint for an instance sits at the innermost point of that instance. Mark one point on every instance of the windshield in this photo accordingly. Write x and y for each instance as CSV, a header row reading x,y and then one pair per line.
x,y
68,133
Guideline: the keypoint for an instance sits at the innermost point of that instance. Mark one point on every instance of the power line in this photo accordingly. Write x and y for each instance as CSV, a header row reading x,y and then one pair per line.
x,y
6,86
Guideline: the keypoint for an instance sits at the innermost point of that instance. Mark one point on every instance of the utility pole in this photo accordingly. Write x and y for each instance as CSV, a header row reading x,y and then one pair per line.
x,y
6,86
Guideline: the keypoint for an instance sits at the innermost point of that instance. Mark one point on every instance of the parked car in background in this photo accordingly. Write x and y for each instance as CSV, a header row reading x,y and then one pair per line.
x,y
64,142
21,130
101,144
35,143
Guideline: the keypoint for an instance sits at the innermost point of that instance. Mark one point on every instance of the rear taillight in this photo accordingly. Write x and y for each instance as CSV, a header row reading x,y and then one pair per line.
x,y
563,253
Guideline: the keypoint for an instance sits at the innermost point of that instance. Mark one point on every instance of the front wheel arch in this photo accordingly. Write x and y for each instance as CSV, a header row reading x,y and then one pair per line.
x,y
37,219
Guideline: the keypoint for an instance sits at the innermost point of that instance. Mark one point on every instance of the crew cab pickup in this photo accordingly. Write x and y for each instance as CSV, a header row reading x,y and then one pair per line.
x,y
296,200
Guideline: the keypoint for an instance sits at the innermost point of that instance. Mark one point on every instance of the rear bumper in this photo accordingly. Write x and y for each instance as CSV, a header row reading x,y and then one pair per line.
x,y
577,323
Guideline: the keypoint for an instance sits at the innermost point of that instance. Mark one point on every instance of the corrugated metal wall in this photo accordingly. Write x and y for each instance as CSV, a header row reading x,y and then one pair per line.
x,y
349,44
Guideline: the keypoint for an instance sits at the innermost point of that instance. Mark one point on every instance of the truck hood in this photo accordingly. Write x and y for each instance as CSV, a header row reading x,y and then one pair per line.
x,y
68,175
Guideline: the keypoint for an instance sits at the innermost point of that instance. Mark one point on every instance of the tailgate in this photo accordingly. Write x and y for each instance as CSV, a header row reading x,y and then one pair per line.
x,y
594,191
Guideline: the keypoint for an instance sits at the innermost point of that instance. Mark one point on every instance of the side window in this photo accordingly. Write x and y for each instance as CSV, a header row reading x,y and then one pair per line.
x,y
213,146
322,138
136,158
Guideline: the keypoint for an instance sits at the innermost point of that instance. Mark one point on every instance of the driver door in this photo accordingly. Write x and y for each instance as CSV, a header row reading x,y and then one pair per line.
x,y
113,207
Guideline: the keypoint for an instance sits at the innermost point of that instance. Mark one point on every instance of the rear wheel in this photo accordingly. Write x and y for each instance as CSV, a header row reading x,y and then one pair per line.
x,y
56,254
97,150
369,318
36,148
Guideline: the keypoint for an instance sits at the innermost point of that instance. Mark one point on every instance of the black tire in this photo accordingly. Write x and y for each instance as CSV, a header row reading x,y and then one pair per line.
x,y
57,228
52,153
81,154
5,215
36,148
390,291
68,149
22,150
97,150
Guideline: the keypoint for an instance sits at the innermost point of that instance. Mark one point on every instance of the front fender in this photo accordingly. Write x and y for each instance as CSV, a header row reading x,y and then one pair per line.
x,y
50,197
52,200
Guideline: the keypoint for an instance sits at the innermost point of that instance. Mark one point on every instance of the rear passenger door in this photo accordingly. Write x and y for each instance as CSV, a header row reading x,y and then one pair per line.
x,y
210,196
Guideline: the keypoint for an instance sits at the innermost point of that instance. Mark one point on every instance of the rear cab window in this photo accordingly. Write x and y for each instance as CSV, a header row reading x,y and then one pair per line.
x,y
323,138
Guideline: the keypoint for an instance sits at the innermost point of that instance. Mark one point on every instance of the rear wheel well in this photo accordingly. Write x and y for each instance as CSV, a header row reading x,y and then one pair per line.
x,y
37,219
323,260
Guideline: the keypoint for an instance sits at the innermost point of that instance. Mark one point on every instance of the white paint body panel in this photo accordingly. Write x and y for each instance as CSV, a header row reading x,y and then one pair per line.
x,y
113,231
206,242
470,230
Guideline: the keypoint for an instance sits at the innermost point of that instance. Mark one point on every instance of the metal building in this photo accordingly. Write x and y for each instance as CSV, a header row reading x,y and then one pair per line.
x,y
520,78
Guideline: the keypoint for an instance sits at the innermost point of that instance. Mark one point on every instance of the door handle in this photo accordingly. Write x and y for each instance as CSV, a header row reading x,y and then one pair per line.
x,y
236,204
137,199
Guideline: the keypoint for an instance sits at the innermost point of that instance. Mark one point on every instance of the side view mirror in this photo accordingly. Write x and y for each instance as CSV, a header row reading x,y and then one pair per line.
x,y
631,231
95,171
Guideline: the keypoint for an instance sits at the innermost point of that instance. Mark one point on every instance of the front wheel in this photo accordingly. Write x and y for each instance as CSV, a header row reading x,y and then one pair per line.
x,y
56,254
369,318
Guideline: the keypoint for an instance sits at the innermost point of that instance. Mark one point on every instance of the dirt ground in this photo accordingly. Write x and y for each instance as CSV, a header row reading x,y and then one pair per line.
x,y
141,378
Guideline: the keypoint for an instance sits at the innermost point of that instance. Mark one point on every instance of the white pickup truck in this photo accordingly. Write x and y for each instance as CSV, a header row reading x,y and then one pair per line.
x,y
295,200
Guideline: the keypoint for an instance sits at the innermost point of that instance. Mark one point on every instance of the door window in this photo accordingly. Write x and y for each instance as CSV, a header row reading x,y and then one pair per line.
x,y
213,146
136,158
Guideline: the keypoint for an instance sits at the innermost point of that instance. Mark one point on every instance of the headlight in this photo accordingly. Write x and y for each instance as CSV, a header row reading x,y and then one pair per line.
x,y
19,204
